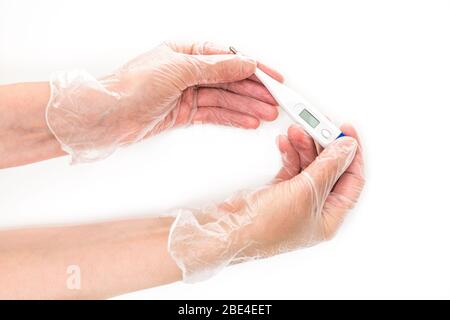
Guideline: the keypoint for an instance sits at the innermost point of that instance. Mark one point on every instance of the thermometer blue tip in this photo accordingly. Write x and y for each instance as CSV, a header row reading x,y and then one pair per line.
x,y
341,135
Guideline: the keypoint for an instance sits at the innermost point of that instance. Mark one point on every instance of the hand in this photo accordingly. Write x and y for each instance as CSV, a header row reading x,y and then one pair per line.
x,y
172,85
305,204
310,196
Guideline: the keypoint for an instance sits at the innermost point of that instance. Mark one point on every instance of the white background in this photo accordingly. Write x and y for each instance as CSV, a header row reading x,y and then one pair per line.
x,y
382,65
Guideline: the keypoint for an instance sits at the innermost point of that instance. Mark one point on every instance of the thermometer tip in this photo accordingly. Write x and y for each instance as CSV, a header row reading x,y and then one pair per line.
x,y
233,49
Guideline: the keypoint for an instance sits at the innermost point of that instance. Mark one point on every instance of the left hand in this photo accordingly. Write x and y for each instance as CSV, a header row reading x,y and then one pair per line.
x,y
174,84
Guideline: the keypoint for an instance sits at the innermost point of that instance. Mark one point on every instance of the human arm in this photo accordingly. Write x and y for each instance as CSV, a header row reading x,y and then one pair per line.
x,y
174,84
24,134
304,205
113,258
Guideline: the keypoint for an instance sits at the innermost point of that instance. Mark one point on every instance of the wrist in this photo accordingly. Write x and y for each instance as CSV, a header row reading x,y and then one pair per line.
x,y
88,116
202,242
25,137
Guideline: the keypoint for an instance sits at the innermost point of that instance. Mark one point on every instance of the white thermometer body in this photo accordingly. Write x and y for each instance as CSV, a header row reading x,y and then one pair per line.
x,y
312,121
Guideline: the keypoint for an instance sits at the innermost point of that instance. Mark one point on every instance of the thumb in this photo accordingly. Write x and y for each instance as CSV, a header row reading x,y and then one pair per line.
x,y
332,162
212,69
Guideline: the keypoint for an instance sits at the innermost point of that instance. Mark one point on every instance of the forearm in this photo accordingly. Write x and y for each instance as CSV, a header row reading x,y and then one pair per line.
x,y
24,134
113,258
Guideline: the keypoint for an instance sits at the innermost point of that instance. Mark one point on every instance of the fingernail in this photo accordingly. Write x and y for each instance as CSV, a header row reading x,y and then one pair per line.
x,y
346,146
269,113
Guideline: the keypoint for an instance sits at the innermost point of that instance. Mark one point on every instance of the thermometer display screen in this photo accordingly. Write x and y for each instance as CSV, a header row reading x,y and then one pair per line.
x,y
309,118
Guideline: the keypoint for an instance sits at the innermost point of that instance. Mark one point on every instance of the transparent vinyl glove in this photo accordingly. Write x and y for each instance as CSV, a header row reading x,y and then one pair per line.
x,y
174,84
304,205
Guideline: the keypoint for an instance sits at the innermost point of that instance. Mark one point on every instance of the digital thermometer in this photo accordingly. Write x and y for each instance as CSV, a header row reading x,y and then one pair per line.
x,y
315,123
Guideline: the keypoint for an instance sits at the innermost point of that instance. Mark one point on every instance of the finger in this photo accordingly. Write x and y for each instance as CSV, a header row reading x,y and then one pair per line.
x,y
215,115
228,100
357,166
247,88
256,79
347,189
290,158
326,169
304,145
198,47
319,148
211,48
208,69
271,72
